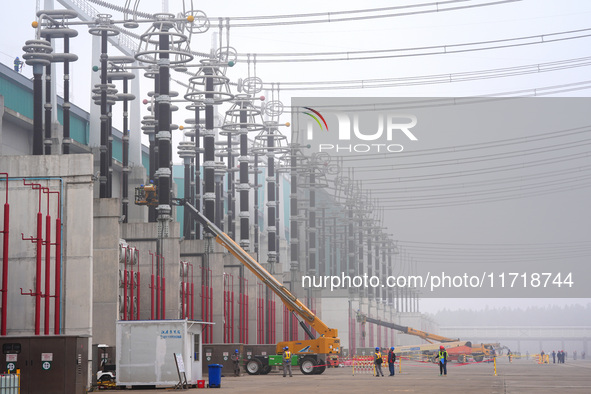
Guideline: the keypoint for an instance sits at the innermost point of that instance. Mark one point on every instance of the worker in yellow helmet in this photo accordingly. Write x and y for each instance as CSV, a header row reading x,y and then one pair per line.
x,y
286,361
377,360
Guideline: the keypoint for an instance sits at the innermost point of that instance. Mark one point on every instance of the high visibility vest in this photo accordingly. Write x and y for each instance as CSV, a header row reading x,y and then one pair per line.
x,y
442,354
378,356
287,355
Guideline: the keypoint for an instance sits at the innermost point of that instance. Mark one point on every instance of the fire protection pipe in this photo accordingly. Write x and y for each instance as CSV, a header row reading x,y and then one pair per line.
x,y
183,300
192,297
152,289
124,283
131,285
57,280
47,264
138,283
39,243
5,232
163,289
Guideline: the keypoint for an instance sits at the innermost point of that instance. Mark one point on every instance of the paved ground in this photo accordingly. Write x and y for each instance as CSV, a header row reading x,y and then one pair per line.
x,y
519,377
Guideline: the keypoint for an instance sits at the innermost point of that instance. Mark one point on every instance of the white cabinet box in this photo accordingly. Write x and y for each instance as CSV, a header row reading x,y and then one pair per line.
x,y
146,348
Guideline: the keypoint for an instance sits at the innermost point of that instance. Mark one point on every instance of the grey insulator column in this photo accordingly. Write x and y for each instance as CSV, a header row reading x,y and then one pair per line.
x,y
104,28
242,118
38,55
53,26
117,73
209,87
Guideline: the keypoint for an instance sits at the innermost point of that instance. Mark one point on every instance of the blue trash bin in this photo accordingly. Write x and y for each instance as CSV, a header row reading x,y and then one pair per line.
x,y
215,375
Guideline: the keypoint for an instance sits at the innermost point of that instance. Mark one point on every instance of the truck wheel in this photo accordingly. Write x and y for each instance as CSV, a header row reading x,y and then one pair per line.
x,y
478,358
462,358
308,366
320,367
266,369
253,367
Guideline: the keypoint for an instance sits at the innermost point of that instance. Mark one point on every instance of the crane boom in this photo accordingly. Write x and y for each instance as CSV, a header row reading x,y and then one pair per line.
x,y
407,330
290,301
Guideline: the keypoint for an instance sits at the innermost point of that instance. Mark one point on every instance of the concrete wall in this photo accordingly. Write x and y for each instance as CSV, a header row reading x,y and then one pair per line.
x,y
143,236
105,270
70,174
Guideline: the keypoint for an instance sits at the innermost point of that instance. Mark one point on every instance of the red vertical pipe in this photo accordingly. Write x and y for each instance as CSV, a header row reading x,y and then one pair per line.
x,y
125,282
38,273
57,280
192,300
152,289
137,258
182,290
232,301
157,289
225,312
210,309
246,315
210,304
58,276
187,294
163,297
47,268
132,284
5,263
203,316
152,296
137,312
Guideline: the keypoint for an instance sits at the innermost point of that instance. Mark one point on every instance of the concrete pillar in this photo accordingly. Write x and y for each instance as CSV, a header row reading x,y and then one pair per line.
x,y
57,135
252,310
216,264
105,270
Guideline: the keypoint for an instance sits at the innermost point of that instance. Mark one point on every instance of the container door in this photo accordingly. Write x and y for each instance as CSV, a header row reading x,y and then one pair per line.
x,y
48,364
196,372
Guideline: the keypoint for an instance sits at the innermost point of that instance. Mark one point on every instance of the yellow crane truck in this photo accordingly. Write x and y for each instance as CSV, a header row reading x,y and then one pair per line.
x,y
309,354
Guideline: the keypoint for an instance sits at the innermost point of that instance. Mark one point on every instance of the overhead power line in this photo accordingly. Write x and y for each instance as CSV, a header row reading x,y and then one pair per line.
x,y
476,146
433,79
393,207
357,15
417,51
330,16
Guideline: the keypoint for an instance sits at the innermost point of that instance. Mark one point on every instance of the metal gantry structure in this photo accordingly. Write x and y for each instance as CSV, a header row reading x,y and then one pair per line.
x,y
327,231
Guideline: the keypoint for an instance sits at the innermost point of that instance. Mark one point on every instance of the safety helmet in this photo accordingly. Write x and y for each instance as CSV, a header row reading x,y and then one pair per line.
x,y
392,348
236,351
286,348
441,347
377,349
